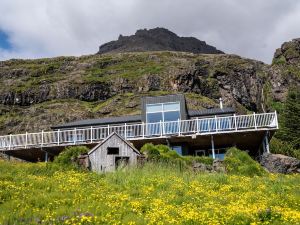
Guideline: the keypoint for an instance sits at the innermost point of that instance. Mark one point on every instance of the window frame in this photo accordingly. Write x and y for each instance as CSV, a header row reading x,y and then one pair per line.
x,y
162,111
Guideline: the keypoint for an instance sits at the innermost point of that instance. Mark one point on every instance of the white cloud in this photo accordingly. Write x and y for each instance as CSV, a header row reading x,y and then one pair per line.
x,y
44,28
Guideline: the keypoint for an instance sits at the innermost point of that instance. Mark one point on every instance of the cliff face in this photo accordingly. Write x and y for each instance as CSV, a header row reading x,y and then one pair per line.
x,y
158,39
35,94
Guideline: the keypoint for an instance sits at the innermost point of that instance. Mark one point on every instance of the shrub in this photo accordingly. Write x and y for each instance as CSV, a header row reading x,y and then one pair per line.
x,y
199,159
165,154
69,154
240,163
163,148
281,147
150,150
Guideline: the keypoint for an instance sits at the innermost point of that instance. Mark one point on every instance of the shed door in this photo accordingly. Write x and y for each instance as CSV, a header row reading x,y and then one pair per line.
x,y
121,161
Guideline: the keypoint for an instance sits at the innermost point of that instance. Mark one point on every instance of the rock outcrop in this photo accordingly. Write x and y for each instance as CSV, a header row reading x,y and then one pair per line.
x,y
277,163
289,53
157,39
217,166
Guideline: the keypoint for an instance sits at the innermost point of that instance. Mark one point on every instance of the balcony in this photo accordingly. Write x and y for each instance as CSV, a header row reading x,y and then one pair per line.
x,y
80,136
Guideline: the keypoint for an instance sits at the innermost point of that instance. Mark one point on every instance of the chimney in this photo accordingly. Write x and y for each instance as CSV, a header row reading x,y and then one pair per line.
x,y
221,103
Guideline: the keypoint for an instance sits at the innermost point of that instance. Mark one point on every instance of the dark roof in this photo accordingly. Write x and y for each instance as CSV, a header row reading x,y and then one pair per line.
x,y
209,112
100,121
138,118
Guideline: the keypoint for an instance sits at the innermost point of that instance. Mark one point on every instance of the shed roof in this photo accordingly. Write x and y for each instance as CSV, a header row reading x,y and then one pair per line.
x,y
110,136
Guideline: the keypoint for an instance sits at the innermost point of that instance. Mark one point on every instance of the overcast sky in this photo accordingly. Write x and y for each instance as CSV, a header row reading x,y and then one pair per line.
x,y
46,28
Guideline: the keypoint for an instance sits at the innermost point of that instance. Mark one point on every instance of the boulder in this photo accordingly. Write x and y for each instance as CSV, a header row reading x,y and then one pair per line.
x,y
218,166
277,163
201,167
83,161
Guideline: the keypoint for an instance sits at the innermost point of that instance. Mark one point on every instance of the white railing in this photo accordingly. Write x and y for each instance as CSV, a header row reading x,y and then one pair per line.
x,y
204,126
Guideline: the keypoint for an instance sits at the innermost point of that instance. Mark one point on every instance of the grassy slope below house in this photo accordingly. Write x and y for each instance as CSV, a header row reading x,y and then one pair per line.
x,y
43,193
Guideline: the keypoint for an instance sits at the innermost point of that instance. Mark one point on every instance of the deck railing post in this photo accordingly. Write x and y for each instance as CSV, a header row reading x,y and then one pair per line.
x,y
42,141
235,124
91,133
107,130
10,137
125,132
197,125
216,122
161,131
74,136
179,130
143,130
254,118
58,136
276,120
26,140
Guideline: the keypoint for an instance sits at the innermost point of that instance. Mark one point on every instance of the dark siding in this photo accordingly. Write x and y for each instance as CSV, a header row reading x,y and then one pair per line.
x,y
162,99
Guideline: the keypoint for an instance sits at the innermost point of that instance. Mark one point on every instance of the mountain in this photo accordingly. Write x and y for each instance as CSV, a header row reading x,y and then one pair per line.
x,y
35,94
157,39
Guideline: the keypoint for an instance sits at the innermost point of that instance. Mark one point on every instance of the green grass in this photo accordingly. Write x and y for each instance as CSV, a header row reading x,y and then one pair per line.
x,y
157,193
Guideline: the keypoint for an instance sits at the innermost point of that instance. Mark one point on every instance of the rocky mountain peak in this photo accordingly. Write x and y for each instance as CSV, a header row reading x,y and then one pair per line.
x,y
157,39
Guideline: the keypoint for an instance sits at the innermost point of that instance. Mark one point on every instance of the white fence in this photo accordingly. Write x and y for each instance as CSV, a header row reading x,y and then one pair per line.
x,y
204,126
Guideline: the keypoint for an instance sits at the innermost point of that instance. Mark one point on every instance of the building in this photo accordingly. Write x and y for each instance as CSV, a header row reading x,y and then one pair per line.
x,y
112,153
163,120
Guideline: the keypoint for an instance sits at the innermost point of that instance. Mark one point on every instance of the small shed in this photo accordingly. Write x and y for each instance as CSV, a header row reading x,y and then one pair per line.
x,y
111,153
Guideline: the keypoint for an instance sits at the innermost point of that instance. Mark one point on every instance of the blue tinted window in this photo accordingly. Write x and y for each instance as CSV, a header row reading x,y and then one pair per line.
x,y
154,108
178,149
171,116
154,117
172,106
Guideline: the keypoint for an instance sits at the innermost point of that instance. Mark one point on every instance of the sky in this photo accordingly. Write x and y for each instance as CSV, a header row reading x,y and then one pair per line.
x,y
48,28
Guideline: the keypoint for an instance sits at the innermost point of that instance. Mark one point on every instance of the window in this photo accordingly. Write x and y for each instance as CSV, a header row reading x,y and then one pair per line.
x,y
112,151
168,113
200,153
178,149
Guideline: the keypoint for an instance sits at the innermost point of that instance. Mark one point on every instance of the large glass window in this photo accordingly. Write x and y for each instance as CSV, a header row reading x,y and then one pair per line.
x,y
168,113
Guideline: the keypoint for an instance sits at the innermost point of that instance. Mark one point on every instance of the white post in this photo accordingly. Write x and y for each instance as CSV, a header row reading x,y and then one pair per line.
x,y
216,121
143,130
213,147
276,120
46,156
161,131
26,139
9,147
197,121
91,134
254,117
42,141
267,143
107,130
179,130
125,130
235,124
74,136
58,137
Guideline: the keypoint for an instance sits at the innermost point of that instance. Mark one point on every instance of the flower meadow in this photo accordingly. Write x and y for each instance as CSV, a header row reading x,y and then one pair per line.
x,y
44,193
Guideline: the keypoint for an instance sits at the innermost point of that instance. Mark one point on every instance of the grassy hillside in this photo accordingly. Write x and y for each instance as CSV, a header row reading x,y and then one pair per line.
x,y
35,94
43,193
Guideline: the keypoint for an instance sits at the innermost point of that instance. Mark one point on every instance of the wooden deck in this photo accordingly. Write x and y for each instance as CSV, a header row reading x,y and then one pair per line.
x,y
233,129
